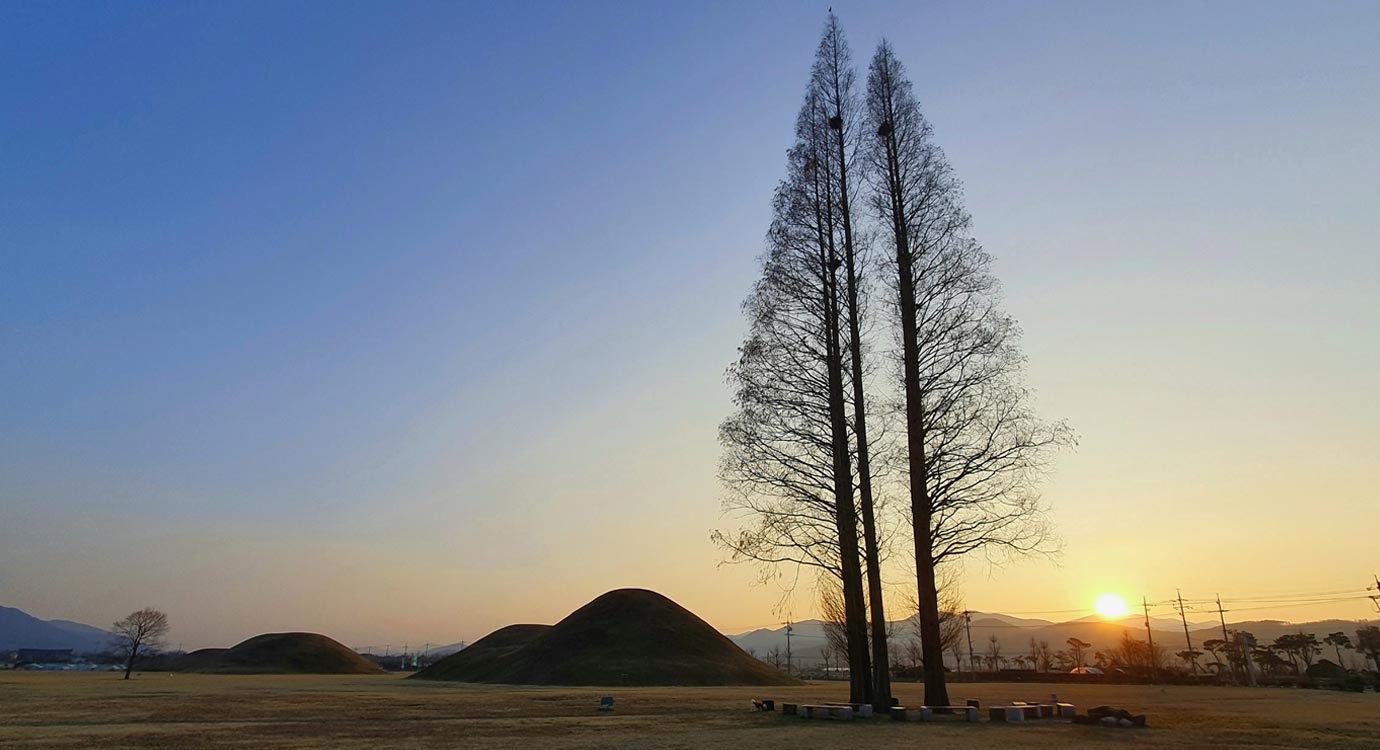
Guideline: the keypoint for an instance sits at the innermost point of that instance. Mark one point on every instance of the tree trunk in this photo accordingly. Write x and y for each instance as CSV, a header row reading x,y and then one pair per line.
x,y
881,662
936,691
855,614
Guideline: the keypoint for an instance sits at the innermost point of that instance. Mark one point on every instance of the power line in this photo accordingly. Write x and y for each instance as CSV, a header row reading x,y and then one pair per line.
x,y
1297,604
1282,597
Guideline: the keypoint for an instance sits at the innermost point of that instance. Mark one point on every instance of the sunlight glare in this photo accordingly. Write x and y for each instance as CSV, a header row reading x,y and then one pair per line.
x,y
1111,607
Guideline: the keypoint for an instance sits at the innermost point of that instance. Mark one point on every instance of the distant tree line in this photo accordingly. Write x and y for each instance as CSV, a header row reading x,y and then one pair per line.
x,y
879,365
1236,658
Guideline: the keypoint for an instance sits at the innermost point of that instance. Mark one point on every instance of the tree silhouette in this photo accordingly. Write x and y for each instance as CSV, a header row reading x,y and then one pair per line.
x,y
833,79
788,453
799,456
139,633
1078,651
1046,656
1133,653
973,448
1216,647
993,652
1299,647
1269,660
1338,641
1368,642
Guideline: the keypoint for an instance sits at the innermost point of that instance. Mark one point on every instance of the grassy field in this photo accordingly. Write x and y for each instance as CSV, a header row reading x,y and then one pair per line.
x,y
98,710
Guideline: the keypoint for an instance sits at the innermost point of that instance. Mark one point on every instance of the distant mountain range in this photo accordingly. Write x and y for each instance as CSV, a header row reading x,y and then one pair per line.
x,y
1015,633
19,629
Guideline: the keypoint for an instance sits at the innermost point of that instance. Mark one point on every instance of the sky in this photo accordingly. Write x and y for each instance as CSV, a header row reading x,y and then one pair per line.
x,y
404,321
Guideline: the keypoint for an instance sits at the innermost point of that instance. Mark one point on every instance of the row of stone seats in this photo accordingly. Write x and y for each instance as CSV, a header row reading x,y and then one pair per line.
x,y
1019,711
861,710
1016,712
843,712
928,713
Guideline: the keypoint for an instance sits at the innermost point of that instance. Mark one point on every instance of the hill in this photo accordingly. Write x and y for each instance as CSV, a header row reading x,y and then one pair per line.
x,y
805,634
486,659
445,650
19,629
624,637
278,653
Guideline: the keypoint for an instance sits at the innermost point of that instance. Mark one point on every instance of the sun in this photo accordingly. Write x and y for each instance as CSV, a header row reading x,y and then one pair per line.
x,y
1111,606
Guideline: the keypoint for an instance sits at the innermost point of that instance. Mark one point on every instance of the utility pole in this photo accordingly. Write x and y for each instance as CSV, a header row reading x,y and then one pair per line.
x,y
789,630
1192,662
1226,640
968,626
1149,656
1375,599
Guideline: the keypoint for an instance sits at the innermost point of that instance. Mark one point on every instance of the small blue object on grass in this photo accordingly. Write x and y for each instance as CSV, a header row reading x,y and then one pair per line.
x,y
606,703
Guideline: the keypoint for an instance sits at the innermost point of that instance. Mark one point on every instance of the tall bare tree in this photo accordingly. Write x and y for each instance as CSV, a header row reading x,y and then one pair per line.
x,y
139,633
835,81
974,449
788,458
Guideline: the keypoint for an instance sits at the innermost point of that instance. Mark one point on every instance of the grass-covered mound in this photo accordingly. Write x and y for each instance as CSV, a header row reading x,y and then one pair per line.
x,y
486,659
279,653
625,637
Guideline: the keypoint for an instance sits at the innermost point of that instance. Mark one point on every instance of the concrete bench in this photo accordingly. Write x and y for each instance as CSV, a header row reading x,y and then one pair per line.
x,y
1050,709
1029,711
1006,714
788,709
969,713
863,710
843,713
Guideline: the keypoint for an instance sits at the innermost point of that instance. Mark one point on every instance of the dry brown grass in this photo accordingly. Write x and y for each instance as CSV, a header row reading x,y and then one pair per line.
x,y
75,710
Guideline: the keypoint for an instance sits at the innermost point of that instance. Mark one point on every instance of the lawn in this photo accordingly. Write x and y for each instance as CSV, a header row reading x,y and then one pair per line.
x,y
98,710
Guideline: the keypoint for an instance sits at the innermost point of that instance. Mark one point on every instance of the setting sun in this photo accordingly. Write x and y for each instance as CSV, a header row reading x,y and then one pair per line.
x,y
1111,606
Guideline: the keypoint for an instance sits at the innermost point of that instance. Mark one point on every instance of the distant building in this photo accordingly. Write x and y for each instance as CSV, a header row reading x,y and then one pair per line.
x,y
43,656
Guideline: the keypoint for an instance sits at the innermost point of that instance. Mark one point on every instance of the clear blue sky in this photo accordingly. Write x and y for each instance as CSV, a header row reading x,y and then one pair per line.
x,y
409,320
